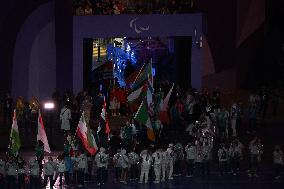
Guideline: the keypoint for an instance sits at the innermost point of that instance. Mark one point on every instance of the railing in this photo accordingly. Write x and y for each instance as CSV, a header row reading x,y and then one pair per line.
x,y
99,7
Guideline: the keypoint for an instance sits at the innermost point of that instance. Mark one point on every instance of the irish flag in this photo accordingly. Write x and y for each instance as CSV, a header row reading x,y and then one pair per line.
x,y
15,142
41,135
104,117
142,117
86,136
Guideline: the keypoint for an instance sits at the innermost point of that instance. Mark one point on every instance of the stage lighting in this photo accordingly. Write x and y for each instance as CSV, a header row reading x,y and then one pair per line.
x,y
49,105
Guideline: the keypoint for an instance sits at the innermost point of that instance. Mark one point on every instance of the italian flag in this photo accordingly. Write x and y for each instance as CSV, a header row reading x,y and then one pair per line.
x,y
15,142
86,136
104,117
41,135
142,117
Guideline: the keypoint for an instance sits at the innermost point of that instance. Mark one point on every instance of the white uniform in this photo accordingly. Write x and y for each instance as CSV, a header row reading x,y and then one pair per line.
x,y
133,158
123,159
61,166
101,160
49,168
12,169
169,158
145,165
223,155
81,162
157,161
34,168
65,116
190,152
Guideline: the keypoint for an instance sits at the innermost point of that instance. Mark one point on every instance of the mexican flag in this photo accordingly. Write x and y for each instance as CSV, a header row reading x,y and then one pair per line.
x,y
15,142
142,117
104,117
86,136
41,135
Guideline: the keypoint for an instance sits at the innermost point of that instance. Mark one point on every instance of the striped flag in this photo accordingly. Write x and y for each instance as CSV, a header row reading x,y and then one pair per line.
x,y
104,117
15,142
163,112
143,76
137,94
142,117
41,135
86,136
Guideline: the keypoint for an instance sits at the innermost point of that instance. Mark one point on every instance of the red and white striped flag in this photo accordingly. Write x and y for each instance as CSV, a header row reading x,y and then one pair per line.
x,y
41,135
104,117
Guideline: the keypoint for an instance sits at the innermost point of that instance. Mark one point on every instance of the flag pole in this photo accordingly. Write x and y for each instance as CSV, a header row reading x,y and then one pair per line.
x,y
139,72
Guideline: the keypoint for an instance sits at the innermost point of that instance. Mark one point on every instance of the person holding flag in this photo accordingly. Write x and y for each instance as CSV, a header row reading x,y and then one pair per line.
x,y
86,136
15,142
42,143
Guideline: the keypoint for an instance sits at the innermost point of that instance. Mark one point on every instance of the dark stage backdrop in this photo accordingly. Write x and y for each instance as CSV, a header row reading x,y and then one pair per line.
x,y
137,26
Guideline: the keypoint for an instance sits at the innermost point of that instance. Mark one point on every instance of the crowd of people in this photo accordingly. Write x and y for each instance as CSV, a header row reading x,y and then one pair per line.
x,y
109,7
199,134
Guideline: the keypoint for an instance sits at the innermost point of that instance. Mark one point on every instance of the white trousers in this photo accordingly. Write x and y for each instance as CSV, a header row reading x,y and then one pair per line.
x,y
157,170
144,173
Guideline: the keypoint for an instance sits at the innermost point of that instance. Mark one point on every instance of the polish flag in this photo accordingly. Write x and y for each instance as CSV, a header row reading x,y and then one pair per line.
x,y
41,135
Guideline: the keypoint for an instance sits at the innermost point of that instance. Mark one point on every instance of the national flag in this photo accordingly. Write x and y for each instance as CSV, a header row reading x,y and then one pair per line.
x,y
143,76
137,94
41,135
131,78
142,117
15,142
86,136
104,117
150,90
163,113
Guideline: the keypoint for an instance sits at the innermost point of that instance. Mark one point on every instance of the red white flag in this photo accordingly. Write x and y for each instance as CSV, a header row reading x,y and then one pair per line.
x,y
41,135
86,136
163,112
104,117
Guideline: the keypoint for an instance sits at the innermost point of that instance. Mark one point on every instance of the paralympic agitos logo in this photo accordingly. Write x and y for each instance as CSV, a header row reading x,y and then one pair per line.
x,y
137,28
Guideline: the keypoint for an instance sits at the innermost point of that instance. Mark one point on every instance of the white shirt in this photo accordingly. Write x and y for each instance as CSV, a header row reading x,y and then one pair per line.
x,y
190,152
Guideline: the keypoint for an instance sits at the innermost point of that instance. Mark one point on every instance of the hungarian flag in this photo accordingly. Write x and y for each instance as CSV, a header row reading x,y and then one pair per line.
x,y
104,117
41,135
15,142
142,117
163,113
86,136
145,73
